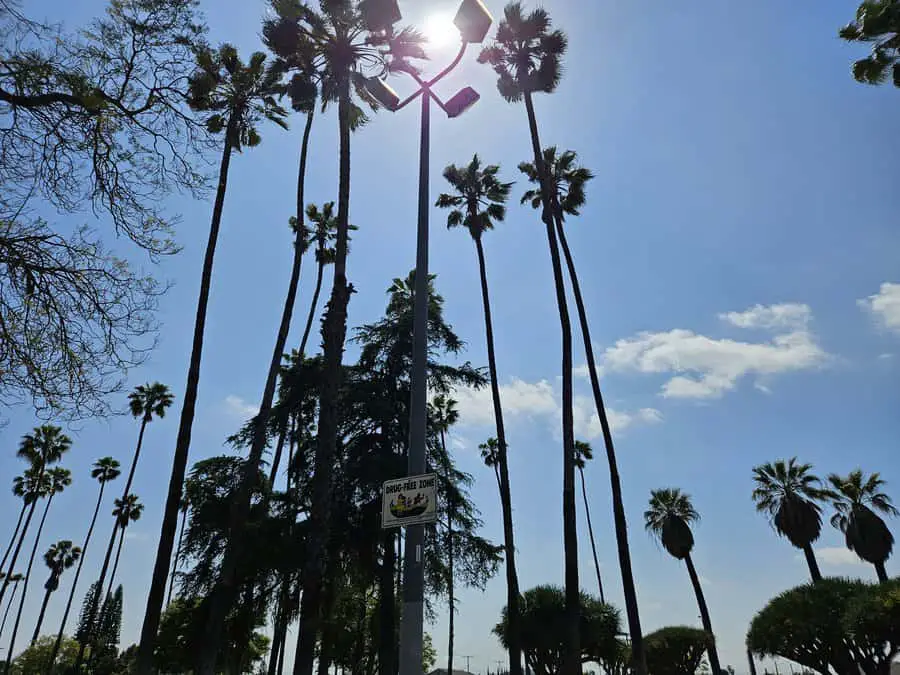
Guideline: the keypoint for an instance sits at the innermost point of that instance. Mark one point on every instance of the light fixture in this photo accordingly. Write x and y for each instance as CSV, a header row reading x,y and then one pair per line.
x,y
382,92
381,14
473,20
461,101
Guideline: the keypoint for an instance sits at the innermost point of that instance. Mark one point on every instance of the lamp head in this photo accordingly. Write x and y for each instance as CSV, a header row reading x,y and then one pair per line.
x,y
461,101
473,21
382,92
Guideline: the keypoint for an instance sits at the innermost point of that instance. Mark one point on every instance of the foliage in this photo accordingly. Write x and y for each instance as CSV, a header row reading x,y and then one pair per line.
x,y
34,659
429,653
59,557
841,624
543,626
668,519
567,181
675,650
480,197
857,502
788,492
877,23
149,399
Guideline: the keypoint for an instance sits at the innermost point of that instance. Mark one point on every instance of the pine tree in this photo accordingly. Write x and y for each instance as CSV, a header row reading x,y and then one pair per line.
x,y
86,632
108,633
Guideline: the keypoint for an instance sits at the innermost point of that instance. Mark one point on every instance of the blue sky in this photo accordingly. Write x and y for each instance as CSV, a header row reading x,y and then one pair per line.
x,y
733,255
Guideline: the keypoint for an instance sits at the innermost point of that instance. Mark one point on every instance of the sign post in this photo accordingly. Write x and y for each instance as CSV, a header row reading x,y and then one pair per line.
x,y
411,500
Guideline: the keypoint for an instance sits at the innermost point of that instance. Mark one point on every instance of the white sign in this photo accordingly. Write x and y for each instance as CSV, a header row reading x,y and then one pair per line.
x,y
409,501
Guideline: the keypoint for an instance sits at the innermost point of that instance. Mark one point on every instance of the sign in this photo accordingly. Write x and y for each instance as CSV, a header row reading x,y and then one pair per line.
x,y
409,501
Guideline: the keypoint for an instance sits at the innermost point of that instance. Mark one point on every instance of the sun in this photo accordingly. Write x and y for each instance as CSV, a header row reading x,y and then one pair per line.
x,y
440,31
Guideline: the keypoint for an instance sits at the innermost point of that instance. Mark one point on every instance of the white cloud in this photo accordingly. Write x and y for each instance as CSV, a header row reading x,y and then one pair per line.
x,y
539,401
884,306
238,408
132,535
785,315
838,556
703,367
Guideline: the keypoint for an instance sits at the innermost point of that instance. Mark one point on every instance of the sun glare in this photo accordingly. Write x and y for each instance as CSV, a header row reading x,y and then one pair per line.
x,y
440,31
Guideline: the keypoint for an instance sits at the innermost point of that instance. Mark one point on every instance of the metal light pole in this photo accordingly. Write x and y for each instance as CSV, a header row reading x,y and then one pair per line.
x,y
473,21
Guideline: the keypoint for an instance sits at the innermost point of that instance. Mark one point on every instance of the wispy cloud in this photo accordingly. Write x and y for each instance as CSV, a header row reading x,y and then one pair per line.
x,y
884,306
238,408
838,556
540,401
703,367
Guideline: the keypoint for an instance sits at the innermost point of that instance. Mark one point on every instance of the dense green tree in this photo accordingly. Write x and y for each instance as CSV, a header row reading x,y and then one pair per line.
x,y
59,557
236,98
543,629
677,650
105,649
834,625
583,454
57,480
788,493
668,519
878,24
857,501
37,656
105,469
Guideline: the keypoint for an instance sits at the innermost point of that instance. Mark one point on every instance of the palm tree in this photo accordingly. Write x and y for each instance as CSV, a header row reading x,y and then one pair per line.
x,y
146,401
59,557
490,455
238,97
43,447
878,24
443,414
583,454
56,480
788,493
105,469
126,511
668,519
325,228
349,40
479,201
21,489
14,580
527,57
857,501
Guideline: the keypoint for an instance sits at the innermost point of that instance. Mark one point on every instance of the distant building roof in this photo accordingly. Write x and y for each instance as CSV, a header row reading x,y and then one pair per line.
x,y
443,671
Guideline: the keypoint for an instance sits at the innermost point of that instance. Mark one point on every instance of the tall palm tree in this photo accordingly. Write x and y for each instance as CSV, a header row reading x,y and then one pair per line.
x,y
479,201
490,455
105,469
583,454
58,558
237,97
668,519
126,511
857,501
44,446
15,580
443,414
788,492
348,41
527,57
325,227
57,479
21,489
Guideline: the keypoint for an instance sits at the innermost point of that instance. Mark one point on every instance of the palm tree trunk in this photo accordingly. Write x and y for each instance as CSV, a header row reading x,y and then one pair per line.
x,y
512,579
8,607
18,549
12,540
115,568
92,615
813,564
712,651
177,559
84,548
334,331
621,526
572,658
137,454
881,572
587,513
34,548
156,595
320,272
40,620
224,593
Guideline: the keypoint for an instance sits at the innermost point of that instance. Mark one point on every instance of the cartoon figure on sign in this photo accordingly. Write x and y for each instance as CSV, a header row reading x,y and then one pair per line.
x,y
408,508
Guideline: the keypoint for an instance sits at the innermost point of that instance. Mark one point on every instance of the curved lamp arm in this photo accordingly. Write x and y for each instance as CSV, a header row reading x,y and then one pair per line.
x,y
425,86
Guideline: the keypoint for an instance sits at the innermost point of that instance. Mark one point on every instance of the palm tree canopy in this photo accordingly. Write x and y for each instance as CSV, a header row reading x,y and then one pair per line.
x,y
857,501
31,485
525,54
150,399
583,454
567,181
235,94
788,492
60,557
324,231
105,469
44,446
442,412
668,519
127,510
60,479
877,23
480,198
490,452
